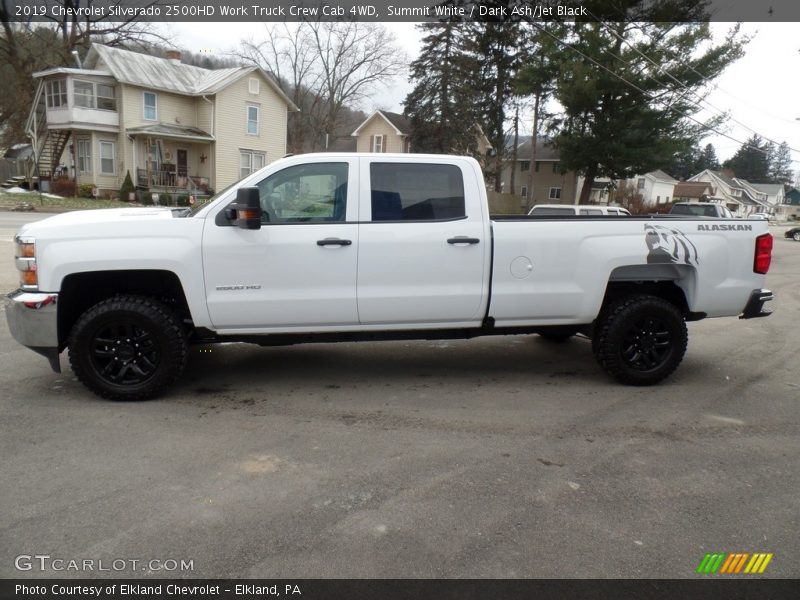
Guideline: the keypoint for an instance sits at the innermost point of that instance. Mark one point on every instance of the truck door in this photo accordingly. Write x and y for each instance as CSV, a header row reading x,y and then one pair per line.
x,y
299,270
423,243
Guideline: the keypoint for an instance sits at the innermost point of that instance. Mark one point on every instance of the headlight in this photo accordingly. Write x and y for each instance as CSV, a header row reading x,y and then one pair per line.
x,y
25,261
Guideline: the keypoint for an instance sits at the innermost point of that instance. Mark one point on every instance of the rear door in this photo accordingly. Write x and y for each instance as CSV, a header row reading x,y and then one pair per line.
x,y
424,243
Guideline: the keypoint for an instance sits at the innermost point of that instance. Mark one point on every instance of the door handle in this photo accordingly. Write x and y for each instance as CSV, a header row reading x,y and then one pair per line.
x,y
333,242
463,240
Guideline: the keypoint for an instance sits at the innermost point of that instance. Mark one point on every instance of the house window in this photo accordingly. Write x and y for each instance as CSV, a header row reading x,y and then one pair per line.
x,y
108,158
658,199
150,107
640,183
250,162
377,143
84,155
555,193
524,191
56,92
252,119
88,94
525,165
536,166
154,155
555,167
84,94
105,97
253,85
666,199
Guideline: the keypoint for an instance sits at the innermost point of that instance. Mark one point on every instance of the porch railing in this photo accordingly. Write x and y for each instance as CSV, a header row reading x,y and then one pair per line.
x,y
170,180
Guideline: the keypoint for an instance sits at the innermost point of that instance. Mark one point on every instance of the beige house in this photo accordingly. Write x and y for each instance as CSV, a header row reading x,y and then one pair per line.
x,y
385,131
550,185
175,127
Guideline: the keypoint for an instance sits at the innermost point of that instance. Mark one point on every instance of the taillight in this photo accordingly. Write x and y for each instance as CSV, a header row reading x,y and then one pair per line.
x,y
763,256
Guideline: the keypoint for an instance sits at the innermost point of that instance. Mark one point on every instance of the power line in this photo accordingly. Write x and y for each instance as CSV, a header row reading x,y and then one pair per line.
x,y
662,69
640,90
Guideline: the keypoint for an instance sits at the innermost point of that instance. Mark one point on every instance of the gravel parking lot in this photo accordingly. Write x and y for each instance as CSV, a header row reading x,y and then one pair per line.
x,y
497,457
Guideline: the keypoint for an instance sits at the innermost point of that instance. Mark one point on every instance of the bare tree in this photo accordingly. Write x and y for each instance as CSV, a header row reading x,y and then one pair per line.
x,y
326,68
287,53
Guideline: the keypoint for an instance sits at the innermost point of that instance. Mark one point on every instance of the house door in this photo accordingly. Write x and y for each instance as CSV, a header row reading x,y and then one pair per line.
x,y
183,169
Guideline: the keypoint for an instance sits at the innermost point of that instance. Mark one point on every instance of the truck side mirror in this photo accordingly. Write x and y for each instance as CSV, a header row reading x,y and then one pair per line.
x,y
248,208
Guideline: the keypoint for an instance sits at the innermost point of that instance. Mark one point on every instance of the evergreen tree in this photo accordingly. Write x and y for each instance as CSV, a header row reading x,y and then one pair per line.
x,y
441,107
751,161
685,163
780,168
708,159
494,48
626,92
536,77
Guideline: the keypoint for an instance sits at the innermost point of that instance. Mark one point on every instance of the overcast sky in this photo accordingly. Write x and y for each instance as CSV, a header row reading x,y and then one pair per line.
x,y
761,90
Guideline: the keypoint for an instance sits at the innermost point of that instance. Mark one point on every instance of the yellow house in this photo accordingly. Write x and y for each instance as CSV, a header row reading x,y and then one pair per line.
x,y
174,127
383,131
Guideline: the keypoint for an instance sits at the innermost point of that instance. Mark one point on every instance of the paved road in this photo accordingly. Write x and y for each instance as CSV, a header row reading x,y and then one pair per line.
x,y
10,222
498,457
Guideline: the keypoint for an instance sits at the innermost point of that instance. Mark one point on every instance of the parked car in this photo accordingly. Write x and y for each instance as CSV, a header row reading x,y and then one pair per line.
x,y
567,210
701,209
793,233
763,216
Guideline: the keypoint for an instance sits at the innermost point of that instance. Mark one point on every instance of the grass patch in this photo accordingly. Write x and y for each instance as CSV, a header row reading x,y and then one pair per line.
x,y
47,204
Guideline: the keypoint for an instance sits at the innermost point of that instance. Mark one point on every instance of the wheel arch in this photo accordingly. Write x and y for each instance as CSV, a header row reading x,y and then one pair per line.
x,y
674,283
81,291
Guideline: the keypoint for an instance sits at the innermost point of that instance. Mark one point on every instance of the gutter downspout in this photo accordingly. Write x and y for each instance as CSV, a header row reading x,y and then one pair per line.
x,y
212,155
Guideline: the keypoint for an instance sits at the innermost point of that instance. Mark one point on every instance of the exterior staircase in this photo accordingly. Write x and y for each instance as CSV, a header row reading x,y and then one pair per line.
x,y
48,144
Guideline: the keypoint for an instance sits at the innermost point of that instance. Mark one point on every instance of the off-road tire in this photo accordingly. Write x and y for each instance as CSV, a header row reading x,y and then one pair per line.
x,y
128,348
640,340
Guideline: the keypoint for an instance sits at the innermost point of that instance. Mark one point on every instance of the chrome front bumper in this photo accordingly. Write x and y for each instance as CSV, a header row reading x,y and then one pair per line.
x,y
33,322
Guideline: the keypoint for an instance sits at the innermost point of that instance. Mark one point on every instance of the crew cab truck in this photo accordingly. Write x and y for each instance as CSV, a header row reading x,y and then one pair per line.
x,y
351,247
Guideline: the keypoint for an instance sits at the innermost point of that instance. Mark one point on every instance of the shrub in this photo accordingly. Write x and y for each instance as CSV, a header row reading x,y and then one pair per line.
x,y
63,187
145,198
183,200
165,199
85,190
127,188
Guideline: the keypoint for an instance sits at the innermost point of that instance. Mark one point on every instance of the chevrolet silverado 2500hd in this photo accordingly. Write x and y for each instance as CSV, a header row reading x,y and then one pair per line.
x,y
345,247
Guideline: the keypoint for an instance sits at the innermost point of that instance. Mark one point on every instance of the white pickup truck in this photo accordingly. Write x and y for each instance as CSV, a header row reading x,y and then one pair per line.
x,y
348,247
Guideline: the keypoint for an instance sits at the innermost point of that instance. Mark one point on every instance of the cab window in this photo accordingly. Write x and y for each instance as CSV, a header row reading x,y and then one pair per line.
x,y
310,193
416,192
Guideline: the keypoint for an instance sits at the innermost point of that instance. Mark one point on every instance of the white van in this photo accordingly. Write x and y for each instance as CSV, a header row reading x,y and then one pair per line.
x,y
565,210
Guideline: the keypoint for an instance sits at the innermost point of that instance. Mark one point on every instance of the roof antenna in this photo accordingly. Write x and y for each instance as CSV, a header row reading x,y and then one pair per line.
x,y
77,59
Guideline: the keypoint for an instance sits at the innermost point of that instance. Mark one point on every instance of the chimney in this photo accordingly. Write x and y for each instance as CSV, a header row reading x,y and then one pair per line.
x,y
174,55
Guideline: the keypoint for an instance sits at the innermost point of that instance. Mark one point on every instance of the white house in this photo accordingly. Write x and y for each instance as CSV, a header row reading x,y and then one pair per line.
x,y
771,194
655,187
739,198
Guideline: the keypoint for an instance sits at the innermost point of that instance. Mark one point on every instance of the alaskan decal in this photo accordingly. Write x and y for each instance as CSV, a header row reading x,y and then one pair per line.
x,y
724,227
669,245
